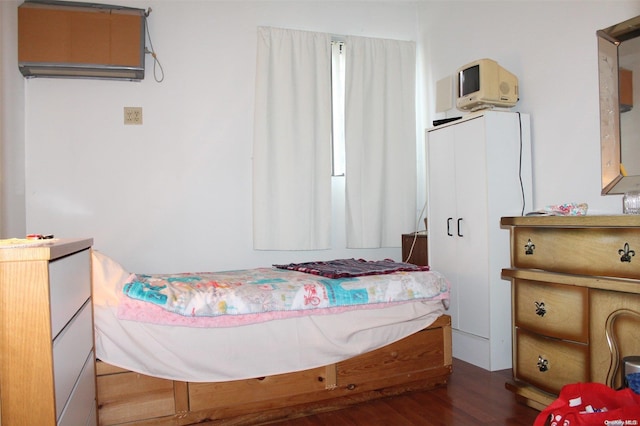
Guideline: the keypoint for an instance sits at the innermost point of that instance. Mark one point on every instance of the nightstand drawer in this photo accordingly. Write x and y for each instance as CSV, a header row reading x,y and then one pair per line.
x,y
70,350
583,251
555,310
548,363
70,287
82,402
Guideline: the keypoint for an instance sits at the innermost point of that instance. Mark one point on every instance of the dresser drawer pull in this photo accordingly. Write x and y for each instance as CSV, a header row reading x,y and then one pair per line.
x,y
540,309
529,247
625,253
543,364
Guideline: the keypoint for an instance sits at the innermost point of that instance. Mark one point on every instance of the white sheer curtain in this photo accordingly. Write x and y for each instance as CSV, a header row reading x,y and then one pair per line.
x,y
292,141
380,140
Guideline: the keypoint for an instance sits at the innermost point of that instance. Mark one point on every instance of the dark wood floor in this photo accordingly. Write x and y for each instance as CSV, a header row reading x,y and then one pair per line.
x,y
473,397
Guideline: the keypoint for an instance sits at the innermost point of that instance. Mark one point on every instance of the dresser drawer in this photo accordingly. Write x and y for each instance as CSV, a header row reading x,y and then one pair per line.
x,y
555,310
70,287
230,398
70,351
80,409
582,251
129,397
410,356
548,363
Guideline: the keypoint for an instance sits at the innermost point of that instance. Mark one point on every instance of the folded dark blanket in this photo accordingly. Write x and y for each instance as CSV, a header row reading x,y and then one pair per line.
x,y
342,268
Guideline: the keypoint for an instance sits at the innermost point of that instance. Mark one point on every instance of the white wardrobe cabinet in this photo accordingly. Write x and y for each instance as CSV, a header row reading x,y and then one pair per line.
x,y
478,170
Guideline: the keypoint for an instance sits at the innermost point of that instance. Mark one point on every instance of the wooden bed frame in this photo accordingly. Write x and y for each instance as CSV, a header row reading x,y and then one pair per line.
x,y
420,361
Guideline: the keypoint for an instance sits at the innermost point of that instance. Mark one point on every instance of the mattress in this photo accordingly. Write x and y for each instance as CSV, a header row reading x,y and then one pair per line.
x,y
214,354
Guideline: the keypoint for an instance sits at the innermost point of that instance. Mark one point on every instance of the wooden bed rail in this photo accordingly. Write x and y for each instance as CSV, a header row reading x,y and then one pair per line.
x,y
420,361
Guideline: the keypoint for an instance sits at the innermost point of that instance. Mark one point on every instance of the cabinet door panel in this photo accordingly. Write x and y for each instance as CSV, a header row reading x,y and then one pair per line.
x,y
458,217
442,211
471,227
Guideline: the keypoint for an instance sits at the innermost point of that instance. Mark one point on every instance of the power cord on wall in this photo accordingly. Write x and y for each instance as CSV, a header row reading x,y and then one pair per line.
x,y
415,234
524,201
157,66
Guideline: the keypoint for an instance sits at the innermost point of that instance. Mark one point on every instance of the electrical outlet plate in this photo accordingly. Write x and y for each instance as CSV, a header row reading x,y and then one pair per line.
x,y
132,115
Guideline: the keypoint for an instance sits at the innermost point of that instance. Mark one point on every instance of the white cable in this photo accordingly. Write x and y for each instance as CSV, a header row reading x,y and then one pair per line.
x,y
156,61
415,234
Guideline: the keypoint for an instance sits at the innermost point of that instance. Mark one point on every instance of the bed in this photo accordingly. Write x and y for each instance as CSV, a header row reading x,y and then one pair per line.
x,y
198,360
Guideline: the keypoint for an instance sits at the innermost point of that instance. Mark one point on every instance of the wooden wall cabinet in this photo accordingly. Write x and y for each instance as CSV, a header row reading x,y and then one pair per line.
x,y
570,275
67,40
475,168
47,373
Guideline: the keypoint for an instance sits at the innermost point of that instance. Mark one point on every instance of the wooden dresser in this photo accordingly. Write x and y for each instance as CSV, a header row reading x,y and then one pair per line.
x,y
47,368
575,281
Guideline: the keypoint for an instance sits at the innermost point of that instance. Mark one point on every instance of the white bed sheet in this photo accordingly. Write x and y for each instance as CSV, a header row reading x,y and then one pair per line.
x,y
254,350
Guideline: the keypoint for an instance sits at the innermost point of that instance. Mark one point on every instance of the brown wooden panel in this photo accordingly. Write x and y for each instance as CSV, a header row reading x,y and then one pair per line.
x,y
47,34
418,352
582,251
625,331
126,36
126,397
261,392
615,221
90,38
419,255
288,395
26,370
555,310
102,368
566,362
44,35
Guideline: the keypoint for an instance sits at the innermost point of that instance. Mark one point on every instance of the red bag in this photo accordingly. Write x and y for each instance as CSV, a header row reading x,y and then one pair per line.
x,y
590,404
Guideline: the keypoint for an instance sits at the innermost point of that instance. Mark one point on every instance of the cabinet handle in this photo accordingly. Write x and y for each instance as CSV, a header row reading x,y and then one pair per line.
x,y
449,226
626,254
459,234
529,248
543,364
541,310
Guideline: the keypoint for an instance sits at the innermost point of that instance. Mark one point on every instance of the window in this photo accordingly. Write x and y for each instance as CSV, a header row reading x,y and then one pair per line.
x,y
337,106
308,103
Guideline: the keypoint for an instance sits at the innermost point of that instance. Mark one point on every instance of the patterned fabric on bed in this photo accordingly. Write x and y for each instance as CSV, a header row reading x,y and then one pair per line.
x,y
341,268
272,290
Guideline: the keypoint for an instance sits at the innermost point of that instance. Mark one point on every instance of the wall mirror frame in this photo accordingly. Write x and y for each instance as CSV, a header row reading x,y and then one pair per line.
x,y
618,50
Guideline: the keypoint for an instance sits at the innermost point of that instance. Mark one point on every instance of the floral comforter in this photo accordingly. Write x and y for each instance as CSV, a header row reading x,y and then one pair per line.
x,y
274,290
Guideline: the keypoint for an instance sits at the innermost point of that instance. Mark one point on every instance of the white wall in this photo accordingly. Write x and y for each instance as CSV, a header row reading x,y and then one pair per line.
x,y
12,172
175,193
551,46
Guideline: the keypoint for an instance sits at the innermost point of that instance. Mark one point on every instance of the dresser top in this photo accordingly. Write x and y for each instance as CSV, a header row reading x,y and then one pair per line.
x,y
622,221
48,250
